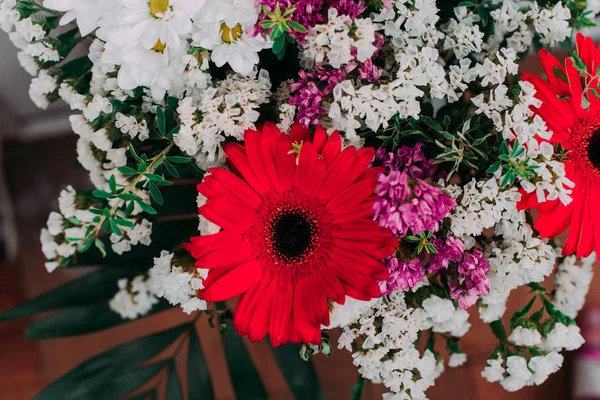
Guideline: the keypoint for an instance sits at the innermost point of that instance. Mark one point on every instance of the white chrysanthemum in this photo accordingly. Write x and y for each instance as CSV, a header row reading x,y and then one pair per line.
x,y
231,46
148,24
86,13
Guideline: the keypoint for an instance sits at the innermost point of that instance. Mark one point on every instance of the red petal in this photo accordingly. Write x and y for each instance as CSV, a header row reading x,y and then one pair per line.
x,y
320,139
550,64
235,282
332,286
350,196
318,176
270,151
200,246
261,319
359,262
332,148
576,89
232,206
575,228
238,157
223,221
254,150
299,134
586,237
247,303
236,187
336,172
306,165
281,314
361,211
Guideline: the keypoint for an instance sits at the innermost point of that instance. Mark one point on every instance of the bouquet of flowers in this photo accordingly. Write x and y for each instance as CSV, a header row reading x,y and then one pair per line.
x,y
374,166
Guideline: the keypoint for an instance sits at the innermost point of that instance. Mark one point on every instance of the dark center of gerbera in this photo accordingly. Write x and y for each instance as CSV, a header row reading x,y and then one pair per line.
x,y
593,149
292,234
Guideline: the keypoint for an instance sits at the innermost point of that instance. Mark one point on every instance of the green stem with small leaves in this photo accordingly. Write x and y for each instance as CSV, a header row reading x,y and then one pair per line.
x,y
149,169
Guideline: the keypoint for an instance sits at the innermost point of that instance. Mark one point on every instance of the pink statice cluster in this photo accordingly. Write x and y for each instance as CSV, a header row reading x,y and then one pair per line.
x,y
472,282
404,275
409,204
406,203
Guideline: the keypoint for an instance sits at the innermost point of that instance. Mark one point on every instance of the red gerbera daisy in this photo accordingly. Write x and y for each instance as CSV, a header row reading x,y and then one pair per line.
x,y
297,232
572,111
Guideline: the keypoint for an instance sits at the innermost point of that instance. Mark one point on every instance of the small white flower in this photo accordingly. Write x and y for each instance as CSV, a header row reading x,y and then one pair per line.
x,y
525,337
457,359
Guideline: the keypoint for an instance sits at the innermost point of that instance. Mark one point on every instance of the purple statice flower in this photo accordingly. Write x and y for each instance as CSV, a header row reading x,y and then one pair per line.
x,y
308,92
307,97
411,159
350,8
472,282
404,275
369,72
449,250
402,205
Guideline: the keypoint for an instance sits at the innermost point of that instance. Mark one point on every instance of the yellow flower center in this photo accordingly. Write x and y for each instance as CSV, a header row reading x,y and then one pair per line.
x,y
230,34
159,47
158,6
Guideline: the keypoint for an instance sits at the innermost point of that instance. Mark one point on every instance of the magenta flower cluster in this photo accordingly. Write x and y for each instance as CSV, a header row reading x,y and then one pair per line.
x,y
472,281
405,202
408,204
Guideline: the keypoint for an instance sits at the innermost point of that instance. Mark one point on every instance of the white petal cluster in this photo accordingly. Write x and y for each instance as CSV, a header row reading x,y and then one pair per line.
x,y
572,283
563,337
480,205
522,336
332,43
373,105
134,298
463,36
551,24
515,119
443,317
177,285
519,258
139,234
387,332
226,110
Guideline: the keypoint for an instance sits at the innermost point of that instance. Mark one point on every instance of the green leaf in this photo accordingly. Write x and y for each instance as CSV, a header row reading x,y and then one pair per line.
x,y
115,228
89,378
498,330
158,179
493,168
521,313
95,286
156,195
101,194
127,171
279,45
173,386
199,384
129,381
357,390
161,121
146,207
124,222
100,246
171,170
245,379
559,74
179,160
299,374
79,320
76,68
466,4
297,27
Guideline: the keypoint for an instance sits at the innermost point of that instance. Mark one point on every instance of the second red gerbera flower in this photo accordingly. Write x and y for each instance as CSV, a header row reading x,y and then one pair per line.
x,y
297,232
571,110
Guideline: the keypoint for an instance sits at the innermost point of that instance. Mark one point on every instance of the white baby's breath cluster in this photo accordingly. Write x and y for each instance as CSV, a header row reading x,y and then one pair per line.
x,y
521,257
388,330
572,283
481,205
517,22
515,119
226,110
178,285
134,298
463,35
332,43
